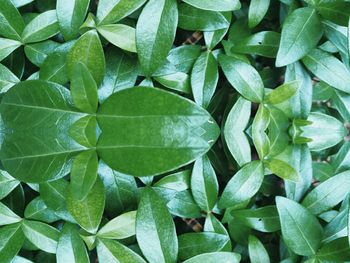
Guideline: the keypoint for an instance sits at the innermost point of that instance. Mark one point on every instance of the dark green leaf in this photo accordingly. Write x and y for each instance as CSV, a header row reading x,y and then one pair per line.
x,y
11,241
12,24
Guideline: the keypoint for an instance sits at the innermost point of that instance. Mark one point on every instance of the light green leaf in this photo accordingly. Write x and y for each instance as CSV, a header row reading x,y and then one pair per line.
x,y
243,77
83,131
257,11
121,227
7,79
193,244
223,5
88,50
300,34
215,257
155,229
8,217
178,81
191,18
204,184
187,131
301,231
83,174
43,236
111,11
283,92
204,78
7,184
328,194
243,185
83,89
38,210
7,46
88,212
155,33
11,22
38,52
257,251
328,69
283,170
179,181
113,252
260,124
42,27
120,35
71,15
70,247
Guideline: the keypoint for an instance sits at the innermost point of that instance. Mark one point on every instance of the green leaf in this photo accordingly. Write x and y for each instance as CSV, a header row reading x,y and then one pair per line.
x,y
83,89
12,24
8,217
191,18
257,11
83,174
260,124
336,251
7,46
328,194
212,224
187,131
193,244
83,131
283,92
113,252
155,229
264,219
110,12
155,33
120,35
121,227
41,158
301,231
177,81
236,123
179,181
243,185
324,130
263,43
38,52
7,79
213,38
215,257
88,212
328,69
224,5
204,78
71,15
257,251
300,34
7,184
183,205
283,170
43,236
11,241
70,247
88,50
204,184
37,210
42,27
243,77
335,11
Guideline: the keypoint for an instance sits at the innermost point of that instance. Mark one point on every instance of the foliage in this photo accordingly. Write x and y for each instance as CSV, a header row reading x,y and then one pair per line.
x,y
174,131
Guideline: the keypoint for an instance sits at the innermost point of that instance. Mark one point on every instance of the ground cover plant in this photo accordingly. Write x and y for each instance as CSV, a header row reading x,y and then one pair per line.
x,y
174,131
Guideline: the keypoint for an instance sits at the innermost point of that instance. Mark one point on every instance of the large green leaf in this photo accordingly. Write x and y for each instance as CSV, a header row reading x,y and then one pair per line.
x,y
131,134
301,231
335,251
329,69
243,185
223,5
88,212
215,257
155,33
328,194
88,50
42,27
39,113
243,77
111,11
336,11
11,22
71,15
70,247
155,229
300,34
